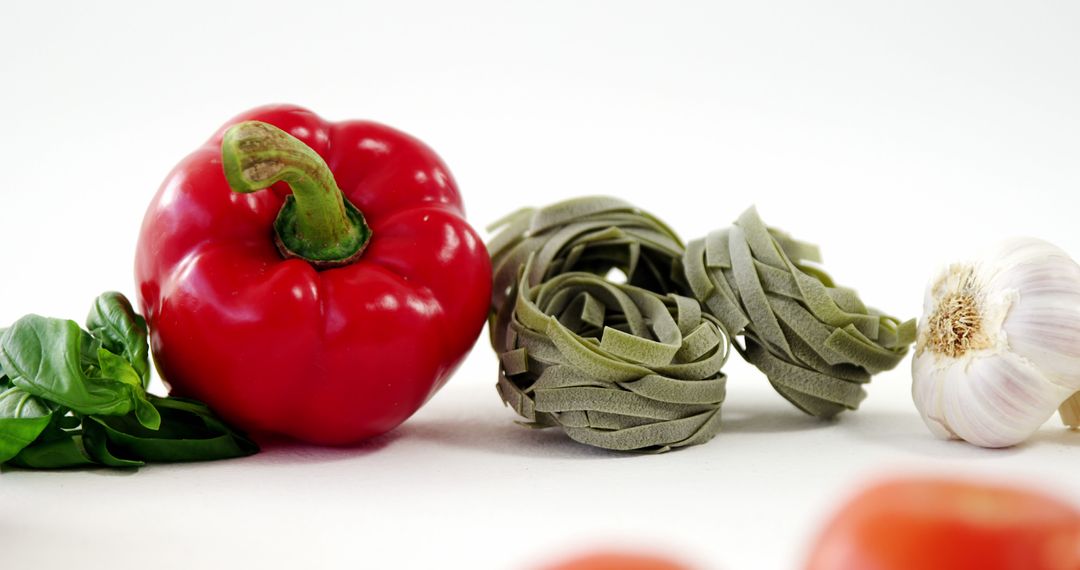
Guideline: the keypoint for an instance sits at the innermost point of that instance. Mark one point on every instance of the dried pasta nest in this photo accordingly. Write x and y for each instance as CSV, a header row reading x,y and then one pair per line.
x,y
622,366
613,365
817,343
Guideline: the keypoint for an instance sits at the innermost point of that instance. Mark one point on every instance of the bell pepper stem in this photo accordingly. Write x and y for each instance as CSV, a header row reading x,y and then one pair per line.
x,y
316,223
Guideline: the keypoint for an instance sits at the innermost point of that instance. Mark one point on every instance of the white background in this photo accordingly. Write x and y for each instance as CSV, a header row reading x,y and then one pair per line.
x,y
897,135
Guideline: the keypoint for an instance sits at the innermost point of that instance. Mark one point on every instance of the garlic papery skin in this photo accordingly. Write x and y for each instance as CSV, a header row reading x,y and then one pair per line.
x,y
998,347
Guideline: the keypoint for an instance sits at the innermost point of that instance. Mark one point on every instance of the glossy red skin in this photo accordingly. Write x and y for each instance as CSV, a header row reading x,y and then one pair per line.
x,y
932,524
274,346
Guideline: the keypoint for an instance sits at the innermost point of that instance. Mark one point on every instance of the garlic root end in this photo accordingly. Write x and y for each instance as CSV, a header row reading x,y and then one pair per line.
x,y
1070,411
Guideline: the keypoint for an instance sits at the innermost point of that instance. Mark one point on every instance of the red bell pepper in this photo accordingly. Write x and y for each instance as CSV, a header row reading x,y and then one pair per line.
x,y
293,307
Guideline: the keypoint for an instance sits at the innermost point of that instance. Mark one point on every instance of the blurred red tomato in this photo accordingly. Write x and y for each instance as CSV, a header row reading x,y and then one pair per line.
x,y
617,561
928,524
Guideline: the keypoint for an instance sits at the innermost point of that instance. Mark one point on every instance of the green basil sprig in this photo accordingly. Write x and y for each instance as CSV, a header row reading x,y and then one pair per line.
x,y
22,419
114,322
817,343
57,361
71,398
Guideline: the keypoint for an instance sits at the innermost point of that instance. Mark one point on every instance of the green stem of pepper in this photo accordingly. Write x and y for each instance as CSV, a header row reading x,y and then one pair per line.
x,y
316,223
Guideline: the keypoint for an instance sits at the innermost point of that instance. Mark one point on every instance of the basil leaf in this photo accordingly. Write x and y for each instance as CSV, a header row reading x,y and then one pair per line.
x,y
96,441
122,331
115,367
47,358
56,448
22,419
147,415
189,432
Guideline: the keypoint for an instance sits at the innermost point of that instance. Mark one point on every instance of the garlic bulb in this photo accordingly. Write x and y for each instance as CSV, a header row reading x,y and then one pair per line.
x,y
998,347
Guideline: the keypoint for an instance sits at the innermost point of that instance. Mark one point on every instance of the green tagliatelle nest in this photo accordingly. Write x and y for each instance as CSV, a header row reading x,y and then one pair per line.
x,y
817,342
625,366
635,365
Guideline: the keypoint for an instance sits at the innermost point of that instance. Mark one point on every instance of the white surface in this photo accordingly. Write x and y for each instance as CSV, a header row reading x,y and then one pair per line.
x,y
895,135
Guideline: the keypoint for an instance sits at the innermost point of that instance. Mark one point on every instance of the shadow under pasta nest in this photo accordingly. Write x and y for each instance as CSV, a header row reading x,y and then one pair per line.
x,y
760,419
502,435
